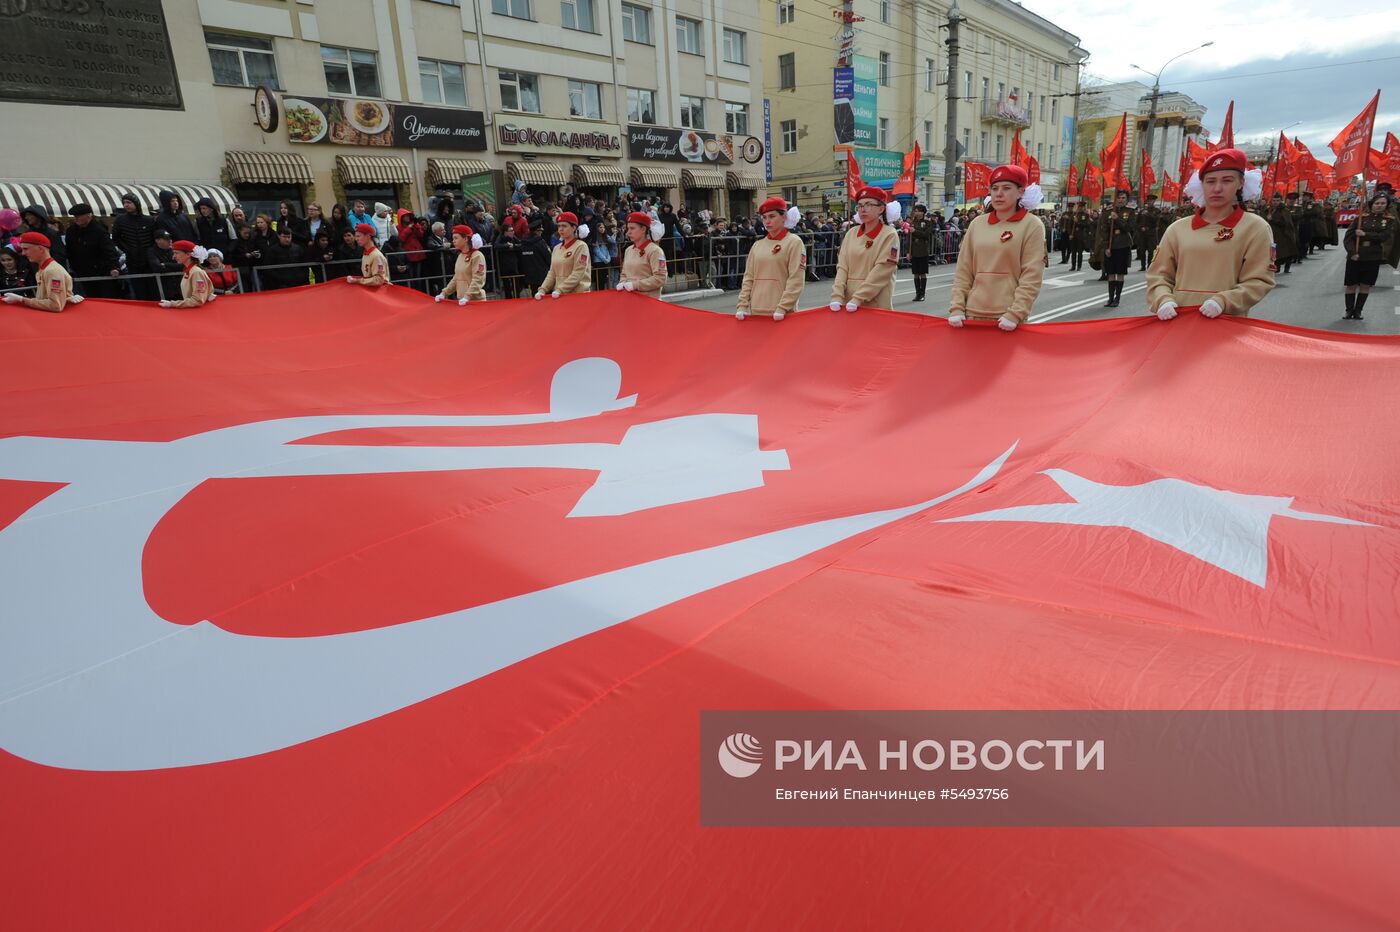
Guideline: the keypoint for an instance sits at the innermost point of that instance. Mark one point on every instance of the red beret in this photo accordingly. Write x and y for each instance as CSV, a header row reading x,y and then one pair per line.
x,y
874,194
462,229
366,228
637,216
567,216
1012,173
35,239
773,203
1223,160
183,245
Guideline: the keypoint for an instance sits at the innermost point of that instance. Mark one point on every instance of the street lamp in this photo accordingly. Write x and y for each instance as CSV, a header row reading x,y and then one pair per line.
x,y
1156,90
1273,138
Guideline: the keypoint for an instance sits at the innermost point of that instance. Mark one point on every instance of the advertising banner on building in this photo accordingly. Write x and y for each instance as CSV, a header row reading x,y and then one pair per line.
x,y
664,144
865,98
882,167
1066,142
843,92
522,132
353,122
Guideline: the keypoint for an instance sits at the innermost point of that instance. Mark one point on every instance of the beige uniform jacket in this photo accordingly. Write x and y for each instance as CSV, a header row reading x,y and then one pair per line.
x,y
55,288
568,269
645,268
374,268
195,287
468,277
1001,264
865,267
774,276
1227,261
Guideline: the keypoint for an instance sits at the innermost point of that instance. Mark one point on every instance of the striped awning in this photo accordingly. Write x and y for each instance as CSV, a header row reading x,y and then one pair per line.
x,y
261,166
537,172
702,178
655,177
105,197
742,181
447,173
372,169
598,176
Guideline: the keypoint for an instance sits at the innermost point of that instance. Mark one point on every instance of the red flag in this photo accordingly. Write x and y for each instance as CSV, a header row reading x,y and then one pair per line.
x,y
1183,167
977,180
1148,177
853,179
238,567
1227,132
1196,156
1032,170
1354,141
1019,156
1321,183
1392,158
1171,191
908,178
1092,186
1111,158
1304,164
1072,182
1286,163
1376,165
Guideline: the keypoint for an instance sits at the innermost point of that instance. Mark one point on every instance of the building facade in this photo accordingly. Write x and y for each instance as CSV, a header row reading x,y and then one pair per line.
x,y
1179,118
1016,70
387,100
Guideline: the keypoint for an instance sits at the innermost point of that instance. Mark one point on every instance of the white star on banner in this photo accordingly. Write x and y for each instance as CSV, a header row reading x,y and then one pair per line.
x,y
1229,530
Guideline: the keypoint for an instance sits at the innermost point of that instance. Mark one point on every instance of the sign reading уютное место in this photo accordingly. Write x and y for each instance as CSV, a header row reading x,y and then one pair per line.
x,y
113,53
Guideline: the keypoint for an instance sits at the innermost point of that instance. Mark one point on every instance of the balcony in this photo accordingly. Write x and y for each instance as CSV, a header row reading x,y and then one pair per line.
x,y
1005,111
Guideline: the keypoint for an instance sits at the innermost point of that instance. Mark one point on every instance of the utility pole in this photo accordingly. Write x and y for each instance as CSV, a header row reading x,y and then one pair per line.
x,y
950,142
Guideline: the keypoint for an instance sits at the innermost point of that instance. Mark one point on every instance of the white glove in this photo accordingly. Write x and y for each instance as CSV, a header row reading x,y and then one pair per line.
x,y
1211,309
738,315
554,294
461,302
1167,311
629,286
851,306
1007,323
956,320
538,295
350,279
836,305
166,303
778,315
621,286
437,298
77,299
12,298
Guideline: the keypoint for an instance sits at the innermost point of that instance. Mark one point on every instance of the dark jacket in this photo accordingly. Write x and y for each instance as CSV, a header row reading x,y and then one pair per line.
x,y
507,254
131,233
163,260
90,249
534,259
45,225
177,223
215,231
277,254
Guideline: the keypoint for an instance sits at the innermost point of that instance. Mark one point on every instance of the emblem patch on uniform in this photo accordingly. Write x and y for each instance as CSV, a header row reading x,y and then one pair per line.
x,y
1224,233
583,257
802,262
777,247
199,285
869,243
1006,236
894,254
661,264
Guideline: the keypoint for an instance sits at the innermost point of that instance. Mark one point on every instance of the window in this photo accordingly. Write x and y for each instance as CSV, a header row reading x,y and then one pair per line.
x,y
1001,90
350,72
788,132
1055,71
982,150
1052,157
1042,108
636,23
986,88
790,194
578,14
928,135
736,119
241,61
1000,142
641,105
884,132
787,71
443,82
688,35
1030,103
884,11
929,79
692,112
736,47
1054,111
885,69
967,141
1040,152
585,100
520,91
520,9
967,84
787,11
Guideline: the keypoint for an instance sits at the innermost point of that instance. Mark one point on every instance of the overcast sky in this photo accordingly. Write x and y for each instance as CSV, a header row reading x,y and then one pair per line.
x,y
1310,43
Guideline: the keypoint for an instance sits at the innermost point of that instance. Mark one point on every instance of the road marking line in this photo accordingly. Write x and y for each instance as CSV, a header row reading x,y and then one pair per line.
x,y
1082,305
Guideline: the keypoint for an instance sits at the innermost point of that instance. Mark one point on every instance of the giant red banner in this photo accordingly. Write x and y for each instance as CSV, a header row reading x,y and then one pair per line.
x,y
336,608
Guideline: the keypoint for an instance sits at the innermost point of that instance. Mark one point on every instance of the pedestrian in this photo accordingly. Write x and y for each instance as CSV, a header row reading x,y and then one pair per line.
x,y
37,220
374,269
469,272
237,218
358,215
13,275
287,219
1081,236
172,217
869,257
1114,244
1217,259
223,278
534,257
160,259
777,265
54,287
283,260
506,259
921,233
131,233
568,263
214,231
245,256
196,289
321,253
1002,260
91,254
1284,233
340,222
383,224
314,221
347,254
1146,230
1368,243
643,261
410,233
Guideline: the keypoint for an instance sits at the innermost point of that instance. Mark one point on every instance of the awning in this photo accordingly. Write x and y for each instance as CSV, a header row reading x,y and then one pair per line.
x,y
655,177
742,181
447,173
372,169
702,178
262,166
599,176
105,197
537,172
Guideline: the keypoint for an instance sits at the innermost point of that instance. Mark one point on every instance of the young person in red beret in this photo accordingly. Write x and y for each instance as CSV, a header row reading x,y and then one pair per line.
x,y
777,265
568,263
643,262
869,254
374,268
196,289
54,289
1217,259
1002,259
469,274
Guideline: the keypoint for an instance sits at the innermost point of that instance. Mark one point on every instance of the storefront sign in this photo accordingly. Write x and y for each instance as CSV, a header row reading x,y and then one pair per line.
x,y
105,53
663,144
525,133
864,103
353,122
882,167
767,140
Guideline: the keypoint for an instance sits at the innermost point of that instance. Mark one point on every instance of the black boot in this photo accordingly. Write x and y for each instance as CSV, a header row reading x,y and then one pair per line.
x,y
920,283
1111,286
1117,292
1351,305
1360,303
